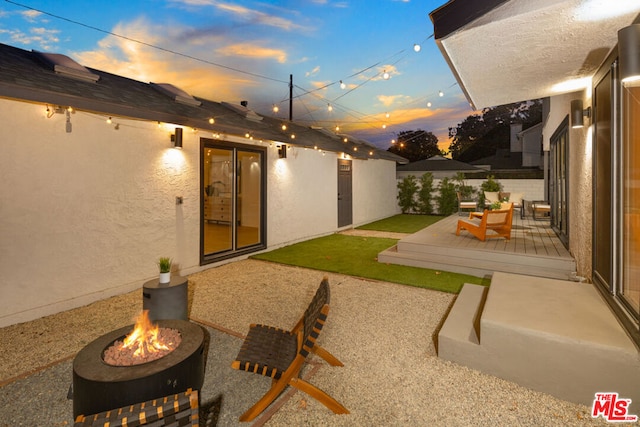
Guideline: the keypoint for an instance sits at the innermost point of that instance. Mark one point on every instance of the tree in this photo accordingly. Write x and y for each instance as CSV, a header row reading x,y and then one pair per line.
x,y
447,199
424,194
480,136
406,194
416,145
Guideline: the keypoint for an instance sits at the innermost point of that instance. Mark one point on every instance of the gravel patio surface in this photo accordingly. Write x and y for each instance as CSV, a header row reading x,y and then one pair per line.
x,y
382,332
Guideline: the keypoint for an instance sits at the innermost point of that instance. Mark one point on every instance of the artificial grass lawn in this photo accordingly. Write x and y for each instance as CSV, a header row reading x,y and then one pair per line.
x,y
358,256
402,223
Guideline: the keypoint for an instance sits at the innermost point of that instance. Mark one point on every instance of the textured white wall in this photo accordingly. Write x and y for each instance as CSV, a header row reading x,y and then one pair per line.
x,y
580,178
302,195
374,194
84,215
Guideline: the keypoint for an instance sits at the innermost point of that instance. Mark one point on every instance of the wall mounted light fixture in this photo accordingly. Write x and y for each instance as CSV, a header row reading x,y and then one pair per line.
x,y
629,53
176,138
578,113
282,151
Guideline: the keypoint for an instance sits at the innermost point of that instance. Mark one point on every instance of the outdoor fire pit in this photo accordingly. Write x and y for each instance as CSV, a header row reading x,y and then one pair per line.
x,y
99,386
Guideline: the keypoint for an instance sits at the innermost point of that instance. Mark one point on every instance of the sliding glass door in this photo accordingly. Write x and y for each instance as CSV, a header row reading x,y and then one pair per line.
x,y
559,183
233,199
630,289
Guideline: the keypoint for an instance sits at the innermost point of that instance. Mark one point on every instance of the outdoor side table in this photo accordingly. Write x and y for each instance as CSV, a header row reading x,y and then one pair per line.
x,y
166,300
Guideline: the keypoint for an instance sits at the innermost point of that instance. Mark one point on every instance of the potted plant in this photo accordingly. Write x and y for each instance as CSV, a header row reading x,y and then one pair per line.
x,y
164,263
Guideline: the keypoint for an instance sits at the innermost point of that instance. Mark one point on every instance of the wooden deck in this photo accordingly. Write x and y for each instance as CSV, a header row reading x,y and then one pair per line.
x,y
534,249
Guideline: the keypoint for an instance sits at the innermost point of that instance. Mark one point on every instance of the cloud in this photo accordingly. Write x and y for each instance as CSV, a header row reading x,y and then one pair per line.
x,y
44,38
253,51
320,84
30,15
389,100
313,72
246,14
137,61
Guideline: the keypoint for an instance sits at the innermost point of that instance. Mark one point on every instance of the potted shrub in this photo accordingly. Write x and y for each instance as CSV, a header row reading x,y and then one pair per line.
x,y
164,263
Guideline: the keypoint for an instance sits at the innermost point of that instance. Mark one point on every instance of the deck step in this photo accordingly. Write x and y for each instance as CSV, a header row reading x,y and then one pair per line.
x,y
478,263
541,333
462,327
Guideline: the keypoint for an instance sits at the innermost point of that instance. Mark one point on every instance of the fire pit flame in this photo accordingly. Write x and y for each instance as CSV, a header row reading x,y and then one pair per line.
x,y
147,342
144,337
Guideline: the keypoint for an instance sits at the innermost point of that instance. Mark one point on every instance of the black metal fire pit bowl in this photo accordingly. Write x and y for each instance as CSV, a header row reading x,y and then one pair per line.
x,y
99,387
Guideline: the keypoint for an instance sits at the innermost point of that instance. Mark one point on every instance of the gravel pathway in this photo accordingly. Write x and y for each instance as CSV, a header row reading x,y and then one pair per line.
x,y
382,332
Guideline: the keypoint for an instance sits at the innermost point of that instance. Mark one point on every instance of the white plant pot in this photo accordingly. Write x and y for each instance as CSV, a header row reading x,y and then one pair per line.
x,y
165,277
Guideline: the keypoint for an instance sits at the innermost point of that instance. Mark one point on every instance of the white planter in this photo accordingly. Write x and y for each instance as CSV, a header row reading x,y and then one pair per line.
x,y
165,277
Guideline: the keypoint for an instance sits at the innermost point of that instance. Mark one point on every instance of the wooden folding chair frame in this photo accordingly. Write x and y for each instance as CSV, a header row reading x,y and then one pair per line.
x,y
285,368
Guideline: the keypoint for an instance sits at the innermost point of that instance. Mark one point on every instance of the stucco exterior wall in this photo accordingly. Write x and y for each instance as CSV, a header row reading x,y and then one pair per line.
x,y
374,194
580,178
85,215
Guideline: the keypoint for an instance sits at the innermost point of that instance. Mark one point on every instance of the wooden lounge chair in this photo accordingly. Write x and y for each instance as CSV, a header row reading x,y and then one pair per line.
x,y
497,223
280,354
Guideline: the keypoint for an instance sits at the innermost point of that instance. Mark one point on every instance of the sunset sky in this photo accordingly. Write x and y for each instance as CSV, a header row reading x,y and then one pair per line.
x,y
235,50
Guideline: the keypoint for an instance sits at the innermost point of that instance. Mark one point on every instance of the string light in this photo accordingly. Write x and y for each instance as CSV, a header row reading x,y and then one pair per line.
x,y
284,127
275,108
385,75
429,104
109,121
329,107
342,85
417,47
441,94
212,121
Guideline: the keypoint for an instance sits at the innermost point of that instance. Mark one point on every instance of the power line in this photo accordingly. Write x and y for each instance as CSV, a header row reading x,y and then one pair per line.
x,y
184,55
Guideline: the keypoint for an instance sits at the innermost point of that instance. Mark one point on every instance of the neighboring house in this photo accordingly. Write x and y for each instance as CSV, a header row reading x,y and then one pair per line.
x,y
440,167
525,151
93,191
586,60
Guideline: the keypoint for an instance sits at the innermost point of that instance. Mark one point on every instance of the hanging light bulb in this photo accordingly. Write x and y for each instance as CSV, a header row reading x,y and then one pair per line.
x,y
385,75
329,107
384,126
275,108
293,136
393,141
429,104
337,128
109,121
284,126
387,115
342,85
441,94
345,139
416,47
212,121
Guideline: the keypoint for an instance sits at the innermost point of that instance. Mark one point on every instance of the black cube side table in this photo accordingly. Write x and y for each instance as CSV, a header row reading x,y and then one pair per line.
x,y
166,300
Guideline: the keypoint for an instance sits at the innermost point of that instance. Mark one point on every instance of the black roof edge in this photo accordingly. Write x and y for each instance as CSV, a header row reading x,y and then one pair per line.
x,y
455,14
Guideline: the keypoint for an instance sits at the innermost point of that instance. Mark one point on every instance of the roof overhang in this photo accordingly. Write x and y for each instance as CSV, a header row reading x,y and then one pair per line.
x,y
504,51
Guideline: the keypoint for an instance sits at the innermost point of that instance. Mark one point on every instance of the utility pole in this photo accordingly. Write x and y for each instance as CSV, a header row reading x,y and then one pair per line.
x,y
290,97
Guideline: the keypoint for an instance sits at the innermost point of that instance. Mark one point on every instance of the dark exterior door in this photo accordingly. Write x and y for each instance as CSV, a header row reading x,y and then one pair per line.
x,y
345,207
